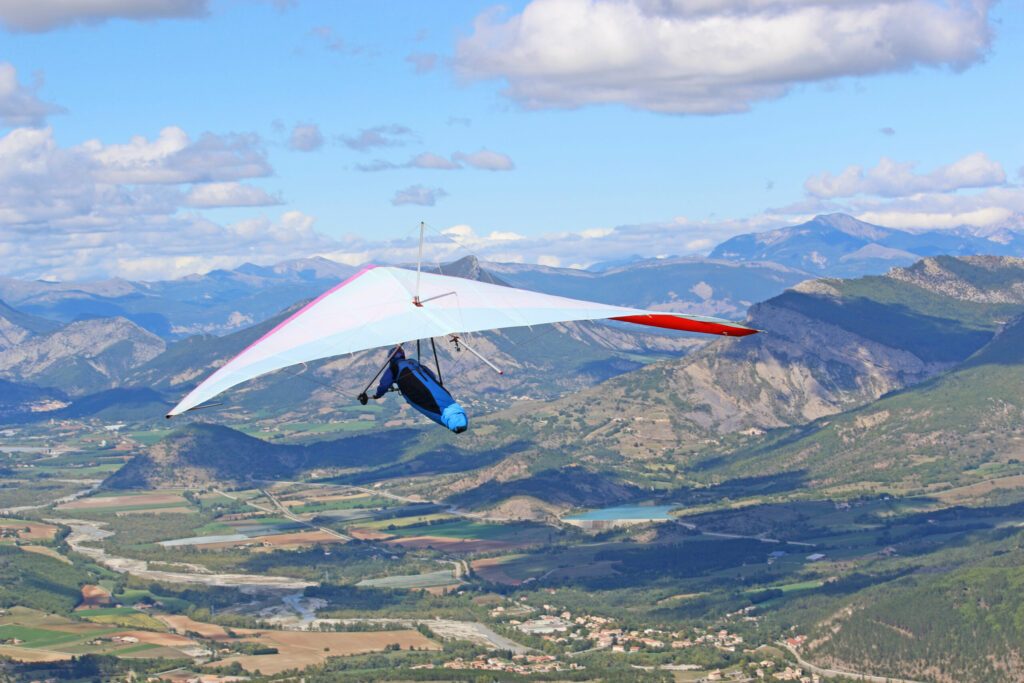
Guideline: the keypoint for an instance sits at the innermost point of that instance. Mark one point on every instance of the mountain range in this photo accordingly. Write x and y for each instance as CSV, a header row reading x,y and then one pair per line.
x,y
212,303
842,246
842,367
739,272
82,338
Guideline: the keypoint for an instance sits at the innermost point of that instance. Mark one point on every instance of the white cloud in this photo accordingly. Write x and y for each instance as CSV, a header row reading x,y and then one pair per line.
x,y
894,179
991,207
19,105
392,135
711,56
173,158
212,195
972,191
485,160
158,247
679,237
432,161
418,195
306,137
43,15
93,210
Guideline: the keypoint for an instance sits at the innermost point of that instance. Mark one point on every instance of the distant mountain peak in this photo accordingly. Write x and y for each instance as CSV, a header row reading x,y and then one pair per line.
x,y
851,226
843,246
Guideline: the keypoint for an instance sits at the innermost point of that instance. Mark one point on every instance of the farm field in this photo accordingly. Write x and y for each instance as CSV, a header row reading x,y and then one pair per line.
x,y
299,649
179,623
45,550
390,525
471,530
30,636
412,581
128,502
21,530
571,562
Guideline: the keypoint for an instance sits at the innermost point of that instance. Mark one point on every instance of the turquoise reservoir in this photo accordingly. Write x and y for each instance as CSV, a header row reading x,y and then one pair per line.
x,y
624,512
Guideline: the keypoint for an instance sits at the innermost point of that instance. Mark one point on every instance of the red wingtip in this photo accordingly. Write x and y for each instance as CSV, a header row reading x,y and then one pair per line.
x,y
675,322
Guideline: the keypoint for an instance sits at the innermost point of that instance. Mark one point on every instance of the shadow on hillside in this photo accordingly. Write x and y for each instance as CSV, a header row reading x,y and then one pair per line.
x,y
741,487
929,337
573,486
437,461
363,450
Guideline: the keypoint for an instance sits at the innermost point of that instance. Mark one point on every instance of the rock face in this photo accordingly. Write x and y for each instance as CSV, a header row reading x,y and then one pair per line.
x,y
16,327
955,429
82,357
981,279
828,346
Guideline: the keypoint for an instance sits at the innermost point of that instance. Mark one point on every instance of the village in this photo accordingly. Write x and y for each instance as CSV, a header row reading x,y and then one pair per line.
x,y
585,633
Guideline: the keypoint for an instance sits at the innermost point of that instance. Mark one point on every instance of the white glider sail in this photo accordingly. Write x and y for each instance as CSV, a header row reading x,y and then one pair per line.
x,y
384,306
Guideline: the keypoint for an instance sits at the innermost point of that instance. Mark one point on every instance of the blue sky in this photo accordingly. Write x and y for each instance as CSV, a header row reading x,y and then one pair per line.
x,y
608,127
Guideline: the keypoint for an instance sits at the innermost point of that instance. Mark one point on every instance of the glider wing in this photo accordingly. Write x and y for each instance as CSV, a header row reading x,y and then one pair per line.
x,y
378,307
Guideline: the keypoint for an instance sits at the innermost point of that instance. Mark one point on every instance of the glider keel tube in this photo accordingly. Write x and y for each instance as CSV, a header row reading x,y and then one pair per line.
x,y
384,306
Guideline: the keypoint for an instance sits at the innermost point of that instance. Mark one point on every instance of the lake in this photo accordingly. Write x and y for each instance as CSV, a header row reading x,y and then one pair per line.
x,y
620,512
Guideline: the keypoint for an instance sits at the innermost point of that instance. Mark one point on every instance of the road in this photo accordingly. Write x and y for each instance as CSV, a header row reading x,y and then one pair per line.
x,y
290,515
834,673
83,532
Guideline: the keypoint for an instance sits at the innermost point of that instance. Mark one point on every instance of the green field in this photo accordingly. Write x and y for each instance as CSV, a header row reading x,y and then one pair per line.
x,y
400,522
148,437
39,637
362,502
466,529
428,580
121,616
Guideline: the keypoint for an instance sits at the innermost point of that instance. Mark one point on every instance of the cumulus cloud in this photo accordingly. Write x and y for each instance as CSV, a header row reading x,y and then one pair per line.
x,y
971,191
418,195
306,137
19,104
36,16
92,210
991,207
894,179
213,195
710,56
379,136
577,249
486,160
426,160
172,157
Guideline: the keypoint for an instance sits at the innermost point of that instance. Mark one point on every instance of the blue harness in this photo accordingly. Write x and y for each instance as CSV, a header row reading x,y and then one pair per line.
x,y
421,389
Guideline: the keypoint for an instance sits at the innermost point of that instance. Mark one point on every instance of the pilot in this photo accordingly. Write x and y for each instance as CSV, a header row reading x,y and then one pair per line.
x,y
421,388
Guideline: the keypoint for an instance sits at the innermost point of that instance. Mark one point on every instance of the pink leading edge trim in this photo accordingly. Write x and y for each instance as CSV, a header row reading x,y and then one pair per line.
x,y
290,318
302,310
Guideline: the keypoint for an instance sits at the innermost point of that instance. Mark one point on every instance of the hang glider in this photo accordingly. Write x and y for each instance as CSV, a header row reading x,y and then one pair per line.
x,y
385,306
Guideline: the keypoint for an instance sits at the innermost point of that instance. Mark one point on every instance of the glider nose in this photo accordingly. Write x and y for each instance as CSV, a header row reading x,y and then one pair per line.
x,y
454,418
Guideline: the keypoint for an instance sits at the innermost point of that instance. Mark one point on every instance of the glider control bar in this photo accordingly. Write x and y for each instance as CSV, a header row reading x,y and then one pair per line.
x,y
460,342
